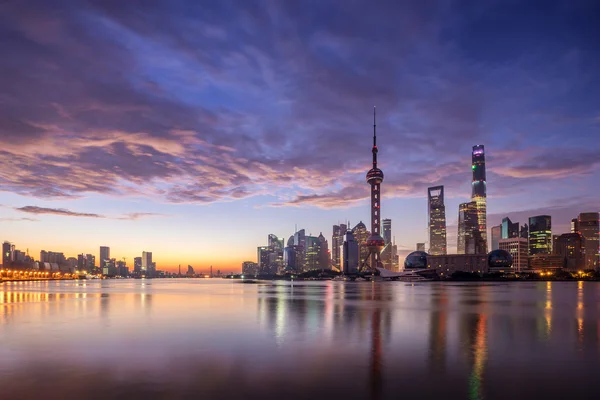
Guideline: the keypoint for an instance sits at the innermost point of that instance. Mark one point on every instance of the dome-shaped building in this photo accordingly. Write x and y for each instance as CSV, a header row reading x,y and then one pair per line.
x,y
500,261
416,260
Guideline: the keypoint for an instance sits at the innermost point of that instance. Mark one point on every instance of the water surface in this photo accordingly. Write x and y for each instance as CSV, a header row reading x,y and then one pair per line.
x,y
195,338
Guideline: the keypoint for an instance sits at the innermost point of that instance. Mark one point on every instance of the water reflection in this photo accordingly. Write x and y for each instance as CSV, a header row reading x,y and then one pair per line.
x,y
180,339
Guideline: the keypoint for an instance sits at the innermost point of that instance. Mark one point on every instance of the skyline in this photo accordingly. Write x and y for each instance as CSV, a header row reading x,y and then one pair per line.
x,y
234,122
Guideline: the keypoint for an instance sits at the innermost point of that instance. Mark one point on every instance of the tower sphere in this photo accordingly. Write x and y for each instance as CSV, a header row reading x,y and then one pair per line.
x,y
375,242
374,176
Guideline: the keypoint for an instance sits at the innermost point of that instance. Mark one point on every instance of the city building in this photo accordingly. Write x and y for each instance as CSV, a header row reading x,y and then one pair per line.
x,y
293,257
519,250
147,264
574,225
421,247
479,189
387,231
447,264
337,240
571,247
500,261
540,235
137,265
104,256
437,220
190,271
524,232
467,228
324,257
350,254
543,262
249,268
262,256
587,225
361,234
496,236
6,254
122,269
509,229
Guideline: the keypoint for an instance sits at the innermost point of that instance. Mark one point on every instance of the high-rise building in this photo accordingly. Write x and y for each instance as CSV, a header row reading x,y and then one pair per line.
x,y
509,229
420,246
574,225
524,231
518,249
437,220
276,257
324,257
350,254
104,256
137,265
6,254
571,246
300,243
387,231
540,235
262,256
313,253
147,262
588,227
479,189
361,234
467,226
337,239
249,268
496,236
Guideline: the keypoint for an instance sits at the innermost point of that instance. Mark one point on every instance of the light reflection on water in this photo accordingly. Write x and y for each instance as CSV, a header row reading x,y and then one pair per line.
x,y
223,339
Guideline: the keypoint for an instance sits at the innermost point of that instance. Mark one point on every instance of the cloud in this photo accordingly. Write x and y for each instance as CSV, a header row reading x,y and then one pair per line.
x,y
18,219
68,213
224,102
56,211
139,215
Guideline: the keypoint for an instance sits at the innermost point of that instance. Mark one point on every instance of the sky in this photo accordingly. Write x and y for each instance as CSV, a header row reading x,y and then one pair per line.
x,y
193,129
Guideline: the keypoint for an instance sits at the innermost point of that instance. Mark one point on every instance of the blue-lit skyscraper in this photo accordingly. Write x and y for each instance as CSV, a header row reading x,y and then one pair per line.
x,y
479,189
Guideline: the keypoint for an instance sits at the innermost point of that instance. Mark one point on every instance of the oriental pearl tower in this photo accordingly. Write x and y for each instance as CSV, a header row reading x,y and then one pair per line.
x,y
375,242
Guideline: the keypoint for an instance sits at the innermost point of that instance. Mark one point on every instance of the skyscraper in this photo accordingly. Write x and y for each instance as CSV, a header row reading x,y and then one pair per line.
x,y
387,231
137,265
479,189
540,235
467,225
571,247
147,262
6,254
574,225
104,256
337,239
509,229
350,254
420,246
587,224
437,221
496,236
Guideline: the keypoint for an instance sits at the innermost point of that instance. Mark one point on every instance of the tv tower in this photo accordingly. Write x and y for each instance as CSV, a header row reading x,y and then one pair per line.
x,y
374,178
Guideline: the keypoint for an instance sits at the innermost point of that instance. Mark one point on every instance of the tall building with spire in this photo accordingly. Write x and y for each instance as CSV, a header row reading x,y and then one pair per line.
x,y
374,178
479,189
337,239
437,221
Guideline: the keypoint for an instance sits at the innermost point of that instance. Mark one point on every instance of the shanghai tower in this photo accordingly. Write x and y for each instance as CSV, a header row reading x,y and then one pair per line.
x,y
478,194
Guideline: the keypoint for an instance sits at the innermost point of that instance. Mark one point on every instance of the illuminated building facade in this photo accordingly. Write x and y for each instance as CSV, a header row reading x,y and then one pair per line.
x,y
137,265
467,228
147,264
588,227
571,247
361,234
337,240
540,235
387,231
479,189
249,268
104,256
518,249
437,220
6,254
